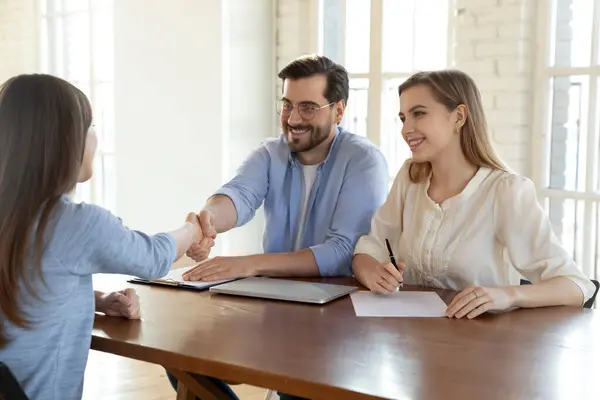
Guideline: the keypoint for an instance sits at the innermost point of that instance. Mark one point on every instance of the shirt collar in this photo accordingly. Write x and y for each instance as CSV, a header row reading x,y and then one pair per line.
x,y
467,192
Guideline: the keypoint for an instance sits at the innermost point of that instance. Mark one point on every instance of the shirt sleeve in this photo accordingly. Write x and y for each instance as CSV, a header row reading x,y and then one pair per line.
x,y
248,189
387,221
93,240
525,230
363,191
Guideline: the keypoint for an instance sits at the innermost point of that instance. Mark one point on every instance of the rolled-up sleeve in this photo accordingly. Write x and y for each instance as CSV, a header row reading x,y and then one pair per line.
x,y
526,231
363,191
248,189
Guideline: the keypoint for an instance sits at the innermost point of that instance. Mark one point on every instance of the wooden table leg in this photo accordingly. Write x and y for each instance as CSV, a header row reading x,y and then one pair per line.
x,y
183,393
189,387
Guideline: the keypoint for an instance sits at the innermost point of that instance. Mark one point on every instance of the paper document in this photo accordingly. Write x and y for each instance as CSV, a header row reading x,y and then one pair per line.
x,y
175,275
398,304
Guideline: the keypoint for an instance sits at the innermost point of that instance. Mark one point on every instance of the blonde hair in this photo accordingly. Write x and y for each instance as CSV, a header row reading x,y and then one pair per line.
x,y
453,88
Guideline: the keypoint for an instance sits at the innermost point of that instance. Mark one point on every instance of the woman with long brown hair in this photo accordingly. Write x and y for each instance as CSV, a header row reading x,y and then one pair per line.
x,y
456,218
50,246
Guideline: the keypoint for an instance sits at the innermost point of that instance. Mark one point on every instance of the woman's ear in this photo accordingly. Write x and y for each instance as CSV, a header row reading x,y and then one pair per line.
x,y
461,115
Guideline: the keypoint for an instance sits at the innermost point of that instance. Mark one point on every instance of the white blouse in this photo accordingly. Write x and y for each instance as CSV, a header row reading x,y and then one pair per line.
x,y
490,234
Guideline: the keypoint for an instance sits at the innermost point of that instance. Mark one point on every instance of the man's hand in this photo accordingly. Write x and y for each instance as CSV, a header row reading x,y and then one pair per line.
x,y
124,303
220,268
207,222
200,250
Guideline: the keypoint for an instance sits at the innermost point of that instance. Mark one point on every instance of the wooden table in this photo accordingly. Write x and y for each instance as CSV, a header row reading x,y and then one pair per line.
x,y
326,352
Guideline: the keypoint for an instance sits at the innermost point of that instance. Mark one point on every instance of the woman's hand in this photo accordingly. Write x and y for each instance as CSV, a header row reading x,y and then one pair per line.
x,y
200,251
124,303
475,300
380,278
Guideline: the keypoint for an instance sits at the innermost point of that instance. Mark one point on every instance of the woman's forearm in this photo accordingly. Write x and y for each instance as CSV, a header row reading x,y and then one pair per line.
x,y
361,263
558,291
184,238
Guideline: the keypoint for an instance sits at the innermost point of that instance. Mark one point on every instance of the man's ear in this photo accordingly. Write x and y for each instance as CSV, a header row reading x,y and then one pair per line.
x,y
340,107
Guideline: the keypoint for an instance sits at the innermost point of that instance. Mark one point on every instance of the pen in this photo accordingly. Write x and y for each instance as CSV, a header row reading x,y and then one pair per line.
x,y
392,258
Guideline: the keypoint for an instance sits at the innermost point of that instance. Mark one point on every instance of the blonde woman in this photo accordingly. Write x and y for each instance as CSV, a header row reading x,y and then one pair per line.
x,y
456,218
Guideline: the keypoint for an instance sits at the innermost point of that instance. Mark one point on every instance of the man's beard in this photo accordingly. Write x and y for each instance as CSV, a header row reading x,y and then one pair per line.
x,y
315,135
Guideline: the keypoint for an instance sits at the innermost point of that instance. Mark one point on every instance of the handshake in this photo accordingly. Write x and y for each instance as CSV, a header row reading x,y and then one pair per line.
x,y
205,235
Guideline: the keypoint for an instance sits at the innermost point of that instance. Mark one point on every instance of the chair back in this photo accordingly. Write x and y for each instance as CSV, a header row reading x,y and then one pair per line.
x,y
9,386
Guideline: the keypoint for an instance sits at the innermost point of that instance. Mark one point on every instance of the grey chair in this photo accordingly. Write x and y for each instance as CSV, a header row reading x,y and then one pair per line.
x,y
9,386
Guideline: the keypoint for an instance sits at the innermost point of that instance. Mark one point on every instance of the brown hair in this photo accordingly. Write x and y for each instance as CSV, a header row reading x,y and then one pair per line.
x,y
43,127
338,87
453,88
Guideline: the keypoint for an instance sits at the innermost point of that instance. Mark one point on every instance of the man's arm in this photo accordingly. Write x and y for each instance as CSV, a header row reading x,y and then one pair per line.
x,y
218,205
363,192
298,263
236,202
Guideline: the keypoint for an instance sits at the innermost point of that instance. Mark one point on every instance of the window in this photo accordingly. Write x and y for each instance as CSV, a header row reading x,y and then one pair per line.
x,y
381,43
566,153
77,46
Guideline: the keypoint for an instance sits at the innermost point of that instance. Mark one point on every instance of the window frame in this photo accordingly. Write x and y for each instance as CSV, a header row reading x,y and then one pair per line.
x,y
375,75
98,186
542,128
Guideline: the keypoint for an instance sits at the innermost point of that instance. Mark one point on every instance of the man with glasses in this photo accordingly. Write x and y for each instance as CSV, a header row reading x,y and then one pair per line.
x,y
320,185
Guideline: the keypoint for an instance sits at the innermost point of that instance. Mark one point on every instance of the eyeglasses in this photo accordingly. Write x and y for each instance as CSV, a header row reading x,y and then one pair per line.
x,y
306,111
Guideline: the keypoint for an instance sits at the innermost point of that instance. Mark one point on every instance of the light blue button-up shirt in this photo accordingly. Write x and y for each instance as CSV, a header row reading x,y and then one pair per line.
x,y
351,184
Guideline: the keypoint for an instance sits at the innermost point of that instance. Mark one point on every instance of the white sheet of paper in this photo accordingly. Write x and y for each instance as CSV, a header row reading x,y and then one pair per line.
x,y
177,275
398,304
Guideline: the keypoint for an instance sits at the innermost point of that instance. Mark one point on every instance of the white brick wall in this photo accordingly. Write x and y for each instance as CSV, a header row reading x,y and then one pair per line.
x,y
494,44
294,38
18,37
293,19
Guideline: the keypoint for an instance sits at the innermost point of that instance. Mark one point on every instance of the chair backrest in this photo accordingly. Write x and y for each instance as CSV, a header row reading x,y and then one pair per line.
x,y
9,386
589,303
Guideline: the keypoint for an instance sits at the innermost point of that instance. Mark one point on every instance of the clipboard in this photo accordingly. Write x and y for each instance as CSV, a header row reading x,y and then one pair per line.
x,y
197,286
174,279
